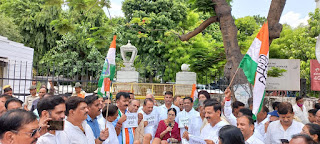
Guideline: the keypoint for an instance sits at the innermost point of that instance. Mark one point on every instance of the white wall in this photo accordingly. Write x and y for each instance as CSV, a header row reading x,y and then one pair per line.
x,y
19,64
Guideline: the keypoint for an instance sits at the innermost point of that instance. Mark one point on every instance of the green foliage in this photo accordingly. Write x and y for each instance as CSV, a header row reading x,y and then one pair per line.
x,y
295,44
276,72
205,6
62,26
314,23
9,29
33,19
260,20
248,28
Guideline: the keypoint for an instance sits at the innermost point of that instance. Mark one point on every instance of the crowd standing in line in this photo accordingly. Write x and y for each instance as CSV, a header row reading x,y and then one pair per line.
x,y
44,118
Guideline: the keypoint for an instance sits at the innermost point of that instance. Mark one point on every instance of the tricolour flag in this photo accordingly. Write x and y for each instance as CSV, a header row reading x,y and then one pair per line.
x,y
194,96
255,65
108,71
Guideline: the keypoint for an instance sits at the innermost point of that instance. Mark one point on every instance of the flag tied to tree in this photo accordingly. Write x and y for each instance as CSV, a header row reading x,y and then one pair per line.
x,y
255,65
108,71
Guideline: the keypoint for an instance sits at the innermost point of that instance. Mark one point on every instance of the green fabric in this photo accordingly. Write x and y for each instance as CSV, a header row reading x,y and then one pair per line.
x,y
249,68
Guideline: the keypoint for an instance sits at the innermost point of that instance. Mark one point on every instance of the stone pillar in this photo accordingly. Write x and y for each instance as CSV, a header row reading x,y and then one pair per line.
x,y
186,77
317,4
128,73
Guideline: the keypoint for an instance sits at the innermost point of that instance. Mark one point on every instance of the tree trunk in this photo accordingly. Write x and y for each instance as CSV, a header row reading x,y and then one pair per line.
x,y
229,34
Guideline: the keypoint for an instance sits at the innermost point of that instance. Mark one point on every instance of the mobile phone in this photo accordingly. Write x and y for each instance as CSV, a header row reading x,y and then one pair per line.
x,y
284,141
56,125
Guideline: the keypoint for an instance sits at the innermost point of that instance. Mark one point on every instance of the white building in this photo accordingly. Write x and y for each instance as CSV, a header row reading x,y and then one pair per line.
x,y
15,66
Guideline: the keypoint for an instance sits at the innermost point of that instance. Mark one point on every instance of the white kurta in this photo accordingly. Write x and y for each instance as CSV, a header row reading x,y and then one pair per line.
x,y
163,111
259,128
301,114
228,113
275,132
253,140
191,116
49,138
187,116
74,135
212,133
151,129
113,138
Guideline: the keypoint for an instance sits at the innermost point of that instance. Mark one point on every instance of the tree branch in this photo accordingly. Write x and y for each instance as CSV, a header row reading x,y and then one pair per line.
x,y
199,29
274,15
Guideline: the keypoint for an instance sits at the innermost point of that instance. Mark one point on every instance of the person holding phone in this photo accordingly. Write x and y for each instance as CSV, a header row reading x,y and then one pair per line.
x,y
51,110
285,127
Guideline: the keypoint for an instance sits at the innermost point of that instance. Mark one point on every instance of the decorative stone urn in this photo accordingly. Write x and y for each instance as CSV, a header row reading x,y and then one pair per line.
x,y
128,62
128,73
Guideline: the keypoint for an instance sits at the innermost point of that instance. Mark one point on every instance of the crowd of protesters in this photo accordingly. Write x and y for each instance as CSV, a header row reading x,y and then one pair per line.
x,y
98,120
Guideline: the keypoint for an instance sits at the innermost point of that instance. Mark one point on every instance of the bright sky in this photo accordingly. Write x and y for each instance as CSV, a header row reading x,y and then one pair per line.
x,y
295,12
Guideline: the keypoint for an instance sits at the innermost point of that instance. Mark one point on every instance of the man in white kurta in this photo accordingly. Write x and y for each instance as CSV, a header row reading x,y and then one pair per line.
x,y
246,126
150,117
112,116
228,113
285,127
54,108
74,135
76,130
212,113
188,119
259,125
300,110
163,109
113,138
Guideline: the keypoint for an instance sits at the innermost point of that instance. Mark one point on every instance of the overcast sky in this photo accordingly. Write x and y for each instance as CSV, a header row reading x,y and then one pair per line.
x,y
295,11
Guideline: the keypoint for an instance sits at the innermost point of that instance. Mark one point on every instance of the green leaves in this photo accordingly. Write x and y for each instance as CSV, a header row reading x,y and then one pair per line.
x,y
276,72
62,26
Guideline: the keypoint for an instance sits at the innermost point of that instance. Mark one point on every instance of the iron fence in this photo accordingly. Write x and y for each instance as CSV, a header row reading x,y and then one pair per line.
x,y
21,75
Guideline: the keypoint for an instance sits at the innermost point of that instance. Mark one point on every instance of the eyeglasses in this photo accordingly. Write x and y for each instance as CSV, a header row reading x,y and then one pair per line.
x,y
32,134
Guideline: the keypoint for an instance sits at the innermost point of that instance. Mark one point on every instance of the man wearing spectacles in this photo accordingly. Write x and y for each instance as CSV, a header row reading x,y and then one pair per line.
x,y
50,108
19,127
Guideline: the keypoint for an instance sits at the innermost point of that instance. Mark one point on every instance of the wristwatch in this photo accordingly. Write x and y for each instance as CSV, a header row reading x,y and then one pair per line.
x,y
101,139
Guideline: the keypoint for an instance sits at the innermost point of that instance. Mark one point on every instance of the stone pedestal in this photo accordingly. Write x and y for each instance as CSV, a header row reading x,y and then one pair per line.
x,y
127,76
186,78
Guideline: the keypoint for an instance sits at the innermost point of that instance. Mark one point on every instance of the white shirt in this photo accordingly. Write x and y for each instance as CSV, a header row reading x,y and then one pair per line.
x,y
74,135
275,132
301,114
163,111
101,121
151,129
187,116
253,140
212,133
113,138
228,113
259,128
49,138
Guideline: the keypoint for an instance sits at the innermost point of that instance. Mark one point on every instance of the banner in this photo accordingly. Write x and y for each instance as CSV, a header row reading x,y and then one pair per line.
x,y
315,75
